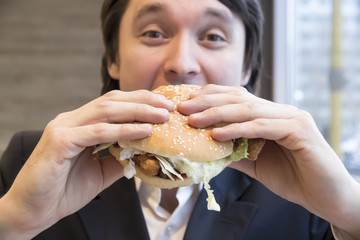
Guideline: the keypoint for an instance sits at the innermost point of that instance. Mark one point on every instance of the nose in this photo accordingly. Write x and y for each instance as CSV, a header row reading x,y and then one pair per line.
x,y
182,65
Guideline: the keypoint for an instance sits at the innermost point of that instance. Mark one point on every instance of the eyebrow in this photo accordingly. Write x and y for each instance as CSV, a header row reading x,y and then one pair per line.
x,y
149,8
219,14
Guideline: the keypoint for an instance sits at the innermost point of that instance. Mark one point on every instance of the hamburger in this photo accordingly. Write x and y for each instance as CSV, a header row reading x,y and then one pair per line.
x,y
177,154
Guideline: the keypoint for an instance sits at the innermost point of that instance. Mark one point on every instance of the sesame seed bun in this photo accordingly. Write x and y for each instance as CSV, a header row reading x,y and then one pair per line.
x,y
175,138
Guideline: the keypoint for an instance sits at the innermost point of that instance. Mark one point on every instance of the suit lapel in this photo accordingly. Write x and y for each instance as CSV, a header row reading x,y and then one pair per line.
x,y
233,219
113,215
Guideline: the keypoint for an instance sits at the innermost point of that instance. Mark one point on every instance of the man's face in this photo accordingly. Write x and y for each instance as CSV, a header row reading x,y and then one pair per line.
x,y
166,42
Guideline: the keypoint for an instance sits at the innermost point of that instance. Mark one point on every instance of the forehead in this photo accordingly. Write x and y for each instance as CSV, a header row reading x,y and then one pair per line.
x,y
212,8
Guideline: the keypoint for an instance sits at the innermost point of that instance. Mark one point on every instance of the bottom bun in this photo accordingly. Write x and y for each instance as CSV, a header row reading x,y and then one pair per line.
x,y
151,180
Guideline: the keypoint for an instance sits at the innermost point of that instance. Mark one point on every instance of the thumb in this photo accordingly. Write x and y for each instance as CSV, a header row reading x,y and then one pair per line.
x,y
112,170
246,166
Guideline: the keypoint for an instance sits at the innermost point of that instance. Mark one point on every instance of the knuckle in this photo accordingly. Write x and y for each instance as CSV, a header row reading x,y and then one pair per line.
x,y
258,126
106,109
291,107
240,90
56,134
302,115
305,117
142,108
105,105
145,93
148,97
251,106
209,86
305,114
111,94
100,128
234,99
60,117
203,99
259,123
214,111
60,120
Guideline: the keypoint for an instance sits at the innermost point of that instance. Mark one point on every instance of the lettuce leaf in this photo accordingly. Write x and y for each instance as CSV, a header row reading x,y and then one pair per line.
x,y
129,169
128,153
202,172
168,169
198,171
211,202
241,150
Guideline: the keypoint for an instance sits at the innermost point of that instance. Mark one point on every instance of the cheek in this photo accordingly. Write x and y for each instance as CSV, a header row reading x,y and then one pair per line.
x,y
137,70
226,71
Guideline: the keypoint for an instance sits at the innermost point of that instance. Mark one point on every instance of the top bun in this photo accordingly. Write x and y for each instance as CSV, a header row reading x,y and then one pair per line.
x,y
175,138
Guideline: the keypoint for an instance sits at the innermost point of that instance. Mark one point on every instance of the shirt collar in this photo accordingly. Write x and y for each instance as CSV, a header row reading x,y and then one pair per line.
x,y
150,196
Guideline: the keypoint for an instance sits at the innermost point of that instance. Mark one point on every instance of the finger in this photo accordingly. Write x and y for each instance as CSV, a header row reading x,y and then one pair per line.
x,y
112,170
287,133
118,106
214,89
272,129
113,112
120,112
91,135
203,102
246,166
242,112
140,96
211,96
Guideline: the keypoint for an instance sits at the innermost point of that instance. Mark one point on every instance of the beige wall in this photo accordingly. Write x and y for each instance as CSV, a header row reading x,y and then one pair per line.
x,y
49,61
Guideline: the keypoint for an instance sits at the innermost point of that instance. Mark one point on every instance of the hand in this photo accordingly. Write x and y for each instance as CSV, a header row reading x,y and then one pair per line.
x,y
296,162
62,174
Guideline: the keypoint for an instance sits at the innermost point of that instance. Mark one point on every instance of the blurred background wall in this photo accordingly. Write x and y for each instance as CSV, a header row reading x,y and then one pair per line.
x,y
50,55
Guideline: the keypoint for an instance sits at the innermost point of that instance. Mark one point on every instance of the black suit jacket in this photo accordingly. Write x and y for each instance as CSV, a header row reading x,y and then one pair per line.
x,y
248,209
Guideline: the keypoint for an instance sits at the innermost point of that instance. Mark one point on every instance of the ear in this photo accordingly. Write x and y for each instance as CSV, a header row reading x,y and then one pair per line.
x,y
246,77
114,71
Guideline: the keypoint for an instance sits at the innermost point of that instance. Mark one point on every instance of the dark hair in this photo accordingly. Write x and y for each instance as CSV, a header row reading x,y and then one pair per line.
x,y
249,11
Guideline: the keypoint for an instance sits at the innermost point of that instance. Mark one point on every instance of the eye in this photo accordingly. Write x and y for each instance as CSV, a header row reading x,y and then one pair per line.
x,y
152,34
213,38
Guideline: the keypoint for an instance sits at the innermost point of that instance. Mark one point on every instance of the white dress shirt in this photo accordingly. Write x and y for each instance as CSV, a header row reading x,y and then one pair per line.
x,y
160,223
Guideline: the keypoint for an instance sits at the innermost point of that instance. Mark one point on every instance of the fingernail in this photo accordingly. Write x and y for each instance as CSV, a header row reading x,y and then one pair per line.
x,y
195,115
166,101
171,105
192,95
163,111
144,126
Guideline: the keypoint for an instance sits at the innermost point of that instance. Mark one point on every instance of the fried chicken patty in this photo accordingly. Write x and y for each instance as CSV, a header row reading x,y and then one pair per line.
x,y
149,164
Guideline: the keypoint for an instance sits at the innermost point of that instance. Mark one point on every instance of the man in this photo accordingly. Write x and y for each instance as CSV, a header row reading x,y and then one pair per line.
x,y
150,43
